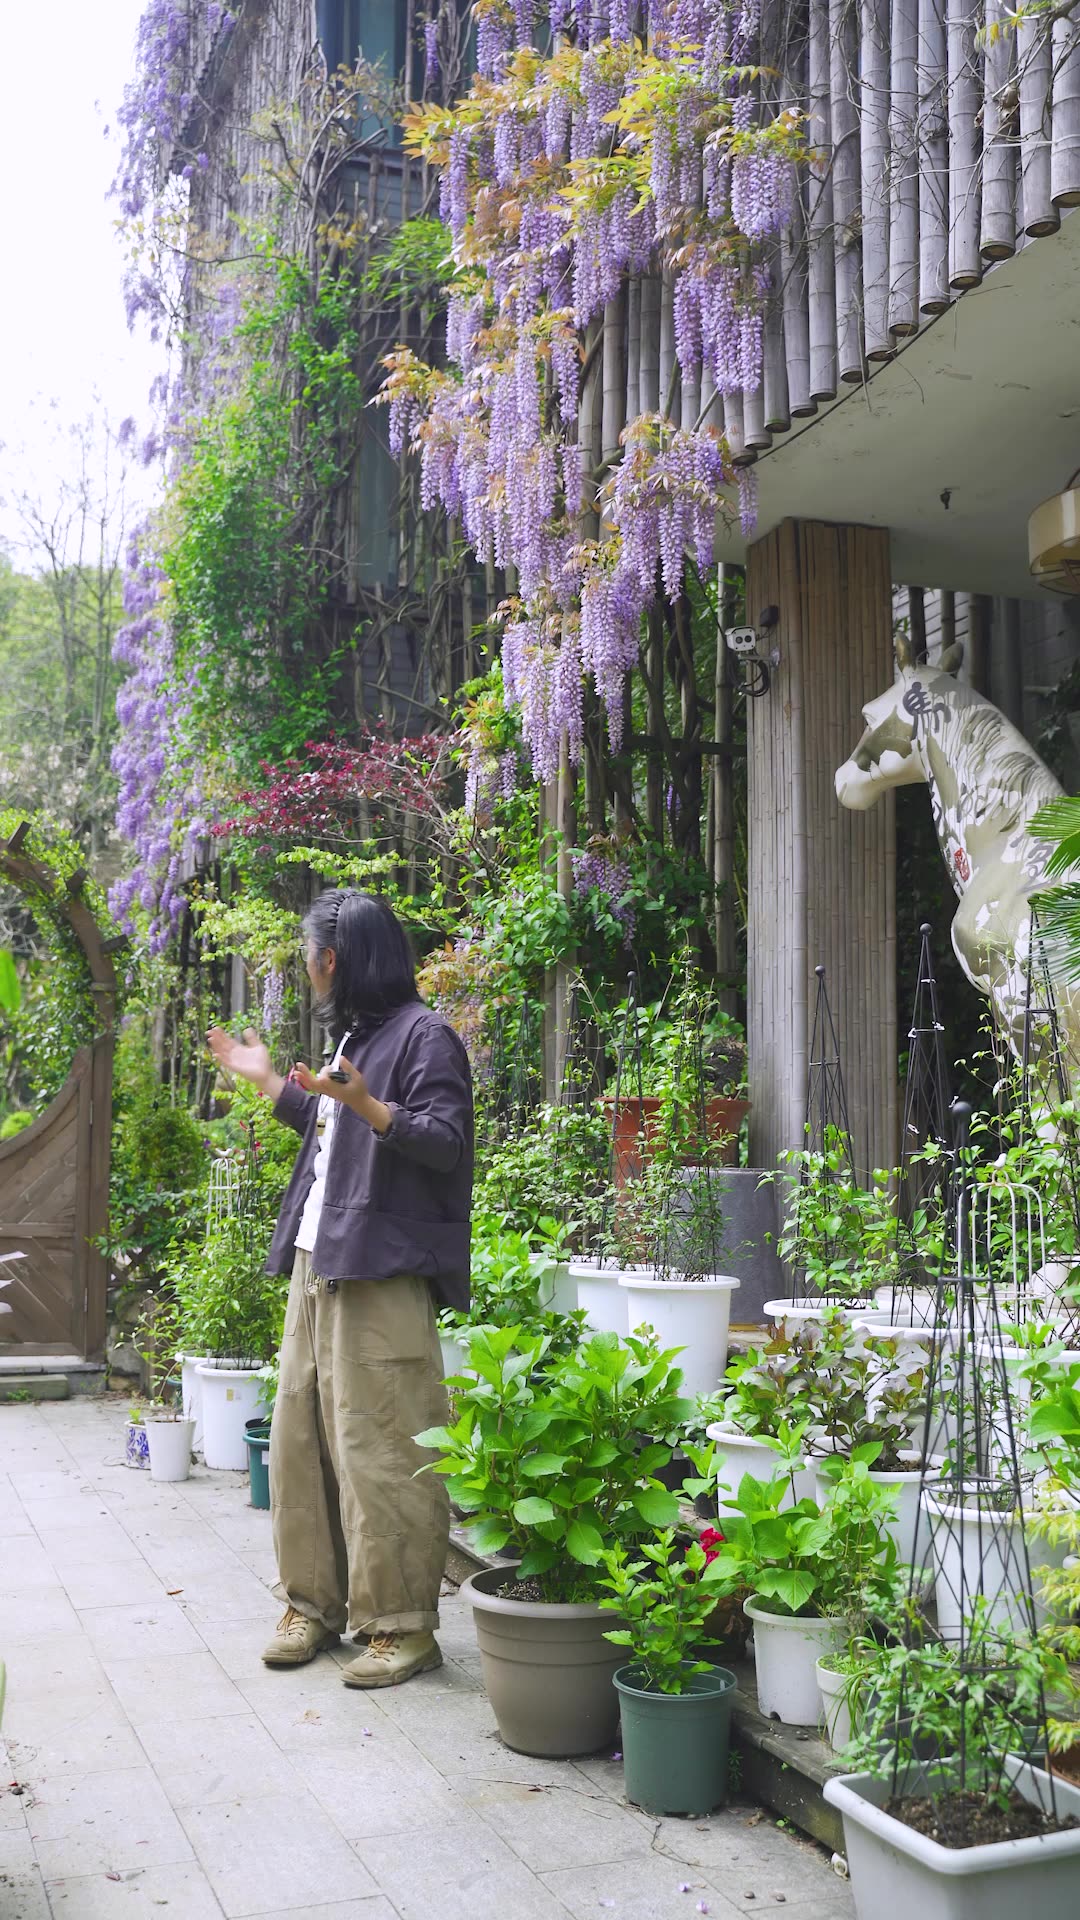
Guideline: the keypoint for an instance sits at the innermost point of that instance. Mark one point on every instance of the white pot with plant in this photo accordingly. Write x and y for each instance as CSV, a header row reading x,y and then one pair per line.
x,y
764,1417
235,1311
920,1837
169,1439
813,1574
839,1238
683,1298
868,1394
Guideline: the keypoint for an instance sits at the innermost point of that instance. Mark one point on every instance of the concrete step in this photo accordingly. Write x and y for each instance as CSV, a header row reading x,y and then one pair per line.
x,y
34,1376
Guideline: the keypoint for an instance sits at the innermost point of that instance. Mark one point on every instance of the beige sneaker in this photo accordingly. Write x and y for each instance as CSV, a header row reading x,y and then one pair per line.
x,y
297,1640
390,1658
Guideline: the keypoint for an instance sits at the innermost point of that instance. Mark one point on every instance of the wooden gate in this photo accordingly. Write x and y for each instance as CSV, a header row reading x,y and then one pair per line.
x,y
54,1177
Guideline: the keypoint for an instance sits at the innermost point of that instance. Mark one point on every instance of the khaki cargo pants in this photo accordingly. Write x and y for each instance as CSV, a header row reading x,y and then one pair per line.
x,y
360,1543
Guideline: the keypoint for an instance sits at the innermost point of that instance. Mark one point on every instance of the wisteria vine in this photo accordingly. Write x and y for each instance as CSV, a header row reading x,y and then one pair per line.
x,y
563,175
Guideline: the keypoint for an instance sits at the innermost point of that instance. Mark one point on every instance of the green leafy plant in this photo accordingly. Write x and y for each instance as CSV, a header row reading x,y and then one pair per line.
x,y
839,1559
665,1596
228,1307
554,1458
553,1169
839,1235
926,1703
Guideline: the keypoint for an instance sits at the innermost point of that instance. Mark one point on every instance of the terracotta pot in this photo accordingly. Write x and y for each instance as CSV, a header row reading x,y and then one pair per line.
x,y
636,1130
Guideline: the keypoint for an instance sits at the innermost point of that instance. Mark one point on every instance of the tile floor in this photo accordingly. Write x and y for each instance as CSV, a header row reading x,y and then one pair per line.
x,y
153,1766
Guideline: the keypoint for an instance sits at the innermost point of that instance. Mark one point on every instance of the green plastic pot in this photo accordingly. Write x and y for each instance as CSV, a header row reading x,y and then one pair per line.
x,y
257,1436
675,1745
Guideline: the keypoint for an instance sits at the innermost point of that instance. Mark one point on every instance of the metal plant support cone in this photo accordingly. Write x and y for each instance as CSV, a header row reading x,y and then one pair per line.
x,y
971,1613
924,1197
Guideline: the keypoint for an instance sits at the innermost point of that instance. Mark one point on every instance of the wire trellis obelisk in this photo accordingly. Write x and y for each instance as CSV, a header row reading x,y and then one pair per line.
x,y
827,1157
971,1615
924,1196
1045,1108
826,1095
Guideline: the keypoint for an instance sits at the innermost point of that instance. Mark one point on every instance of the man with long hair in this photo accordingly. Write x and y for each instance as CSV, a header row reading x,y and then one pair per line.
x,y
374,1228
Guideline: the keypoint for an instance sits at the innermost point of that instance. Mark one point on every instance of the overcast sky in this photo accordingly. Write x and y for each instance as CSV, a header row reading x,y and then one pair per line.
x,y
63,335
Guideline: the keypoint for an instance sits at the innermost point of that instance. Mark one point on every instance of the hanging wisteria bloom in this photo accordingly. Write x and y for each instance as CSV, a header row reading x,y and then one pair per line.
x,y
602,193
597,870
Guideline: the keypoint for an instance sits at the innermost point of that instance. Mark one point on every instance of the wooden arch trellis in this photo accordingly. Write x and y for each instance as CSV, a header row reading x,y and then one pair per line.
x,y
54,1177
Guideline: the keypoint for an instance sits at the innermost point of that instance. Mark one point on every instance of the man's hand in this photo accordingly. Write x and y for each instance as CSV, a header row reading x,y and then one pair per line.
x,y
246,1059
351,1092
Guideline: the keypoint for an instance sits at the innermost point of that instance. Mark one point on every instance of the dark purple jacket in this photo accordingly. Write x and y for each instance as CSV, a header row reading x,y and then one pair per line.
x,y
398,1202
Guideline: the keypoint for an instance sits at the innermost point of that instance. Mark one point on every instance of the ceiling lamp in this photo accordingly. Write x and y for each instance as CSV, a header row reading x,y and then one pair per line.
x,y
1054,540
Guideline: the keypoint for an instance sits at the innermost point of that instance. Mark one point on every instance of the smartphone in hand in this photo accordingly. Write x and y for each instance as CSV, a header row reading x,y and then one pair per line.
x,y
336,1073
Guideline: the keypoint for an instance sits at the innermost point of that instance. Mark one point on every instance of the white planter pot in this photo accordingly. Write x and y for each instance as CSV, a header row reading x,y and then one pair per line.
x,y
191,1393
170,1443
604,1302
895,1870
835,1712
904,1527
455,1354
558,1290
739,1454
786,1653
691,1314
975,1552
230,1397
912,1306
801,1310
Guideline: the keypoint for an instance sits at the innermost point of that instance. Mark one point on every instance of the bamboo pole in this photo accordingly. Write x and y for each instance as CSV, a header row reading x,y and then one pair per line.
x,y
796,317
654,775
874,175
741,454
965,263
669,403
934,294
633,347
904,170
777,417
756,435
649,345
997,239
613,417
1041,217
821,267
1065,123
844,134
709,413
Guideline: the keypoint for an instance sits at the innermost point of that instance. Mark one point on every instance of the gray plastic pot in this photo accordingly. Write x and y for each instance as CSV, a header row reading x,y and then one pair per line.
x,y
547,1669
895,1870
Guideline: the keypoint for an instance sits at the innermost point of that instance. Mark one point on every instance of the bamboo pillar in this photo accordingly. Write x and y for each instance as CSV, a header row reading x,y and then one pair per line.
x,y
1033,61
934,294
821,290
649,346
821,878
998,234
874,175
1065,136
904,170
844,133
965,262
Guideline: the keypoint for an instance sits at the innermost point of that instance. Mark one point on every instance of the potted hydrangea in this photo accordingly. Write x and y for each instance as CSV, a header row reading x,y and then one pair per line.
x,y
553,1462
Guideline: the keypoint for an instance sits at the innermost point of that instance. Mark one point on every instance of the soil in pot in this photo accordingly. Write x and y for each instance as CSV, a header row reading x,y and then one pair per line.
x,y
547,1667
970,1820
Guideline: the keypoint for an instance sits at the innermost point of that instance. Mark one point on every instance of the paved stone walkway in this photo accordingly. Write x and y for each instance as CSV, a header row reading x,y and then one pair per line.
x,y
154,1767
